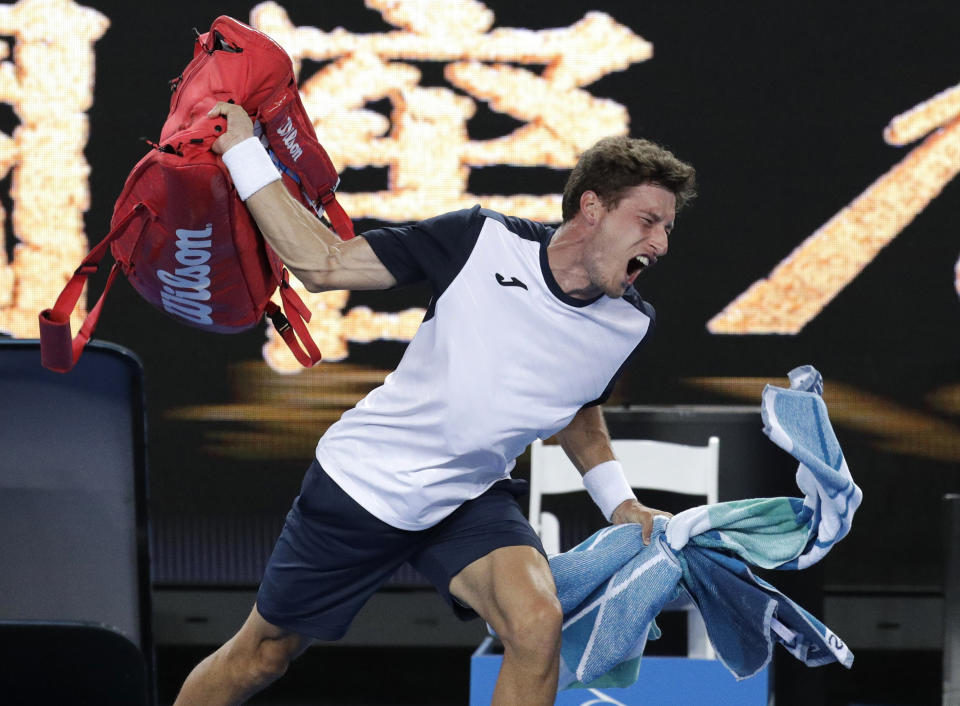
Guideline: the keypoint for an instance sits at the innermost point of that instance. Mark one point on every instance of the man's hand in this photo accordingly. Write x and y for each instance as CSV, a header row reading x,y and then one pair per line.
x,y
634,511
239,125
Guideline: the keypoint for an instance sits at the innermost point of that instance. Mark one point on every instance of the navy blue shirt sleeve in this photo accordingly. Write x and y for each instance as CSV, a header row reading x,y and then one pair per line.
x,y
434,250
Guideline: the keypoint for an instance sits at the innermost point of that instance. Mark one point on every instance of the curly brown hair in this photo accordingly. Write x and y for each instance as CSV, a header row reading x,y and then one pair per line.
x,y
615,164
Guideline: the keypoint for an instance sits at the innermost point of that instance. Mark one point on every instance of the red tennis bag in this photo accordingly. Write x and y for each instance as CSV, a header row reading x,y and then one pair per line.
x,y
180,233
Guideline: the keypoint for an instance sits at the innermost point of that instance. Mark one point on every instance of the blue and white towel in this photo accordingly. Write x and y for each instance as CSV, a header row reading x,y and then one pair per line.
x,y
796,420
612,586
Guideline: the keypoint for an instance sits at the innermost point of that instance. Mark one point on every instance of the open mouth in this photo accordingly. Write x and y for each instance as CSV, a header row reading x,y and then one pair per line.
x,y
637,264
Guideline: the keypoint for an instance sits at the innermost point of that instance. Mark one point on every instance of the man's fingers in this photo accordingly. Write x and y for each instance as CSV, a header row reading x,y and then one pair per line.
x,y
239,125
221,108
648,521
236,116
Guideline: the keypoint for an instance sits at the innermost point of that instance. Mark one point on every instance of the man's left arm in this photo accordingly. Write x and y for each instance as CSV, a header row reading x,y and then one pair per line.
x,y
586,442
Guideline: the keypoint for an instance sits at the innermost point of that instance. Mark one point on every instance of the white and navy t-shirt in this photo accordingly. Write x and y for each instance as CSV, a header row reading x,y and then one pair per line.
x,y
502,357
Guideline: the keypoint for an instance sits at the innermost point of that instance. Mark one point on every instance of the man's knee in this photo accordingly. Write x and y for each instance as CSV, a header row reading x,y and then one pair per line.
x,y
272,659
532,627
256,665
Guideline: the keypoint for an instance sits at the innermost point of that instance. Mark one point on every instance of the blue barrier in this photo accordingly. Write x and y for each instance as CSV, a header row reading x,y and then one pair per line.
x,y
664,681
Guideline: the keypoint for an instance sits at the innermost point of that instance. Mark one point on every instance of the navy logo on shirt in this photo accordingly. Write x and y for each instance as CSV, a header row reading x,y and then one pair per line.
x,y
512,282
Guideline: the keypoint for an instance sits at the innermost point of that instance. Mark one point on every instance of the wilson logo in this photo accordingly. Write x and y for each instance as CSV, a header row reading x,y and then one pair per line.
x,y
185,290
289,134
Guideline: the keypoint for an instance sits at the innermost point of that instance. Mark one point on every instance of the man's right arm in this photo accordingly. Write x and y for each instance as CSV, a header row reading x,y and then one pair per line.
x,y
310,250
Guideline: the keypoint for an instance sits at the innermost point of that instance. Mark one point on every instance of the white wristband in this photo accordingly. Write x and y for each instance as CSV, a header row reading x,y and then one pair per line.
x,y
250,167
608,486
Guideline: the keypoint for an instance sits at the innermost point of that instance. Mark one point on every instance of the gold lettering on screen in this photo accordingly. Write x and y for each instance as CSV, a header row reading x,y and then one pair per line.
x,y
810,277
424,144
47,78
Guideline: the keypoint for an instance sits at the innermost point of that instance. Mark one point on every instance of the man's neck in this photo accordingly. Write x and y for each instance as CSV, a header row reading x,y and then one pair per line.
x,y
565,257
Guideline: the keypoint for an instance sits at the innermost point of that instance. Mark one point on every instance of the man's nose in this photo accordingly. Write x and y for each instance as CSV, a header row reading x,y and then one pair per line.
x,y
660,242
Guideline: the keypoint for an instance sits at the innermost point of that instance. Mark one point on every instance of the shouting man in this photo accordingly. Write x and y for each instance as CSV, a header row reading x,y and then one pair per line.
x,y
527,331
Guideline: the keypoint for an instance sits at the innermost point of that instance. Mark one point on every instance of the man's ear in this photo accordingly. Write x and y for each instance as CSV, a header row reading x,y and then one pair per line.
x,y
590,206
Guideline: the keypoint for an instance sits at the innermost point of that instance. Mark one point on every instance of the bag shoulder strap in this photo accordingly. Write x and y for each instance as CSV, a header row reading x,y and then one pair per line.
x,y
59,350
292,322
294,143
293,328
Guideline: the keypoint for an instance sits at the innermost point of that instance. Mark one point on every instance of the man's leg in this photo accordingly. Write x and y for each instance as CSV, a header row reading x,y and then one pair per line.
x,y
512,589
332,555
251,660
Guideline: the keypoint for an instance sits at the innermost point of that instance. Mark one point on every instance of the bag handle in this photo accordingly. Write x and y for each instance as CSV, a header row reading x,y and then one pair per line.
x,y
59,350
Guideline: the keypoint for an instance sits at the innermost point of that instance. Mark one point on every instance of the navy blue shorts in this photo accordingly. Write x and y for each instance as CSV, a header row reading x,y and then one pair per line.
x,y
333,555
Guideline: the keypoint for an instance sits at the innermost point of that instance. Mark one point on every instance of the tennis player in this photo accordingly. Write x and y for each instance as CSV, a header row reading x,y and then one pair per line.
x,y
527,331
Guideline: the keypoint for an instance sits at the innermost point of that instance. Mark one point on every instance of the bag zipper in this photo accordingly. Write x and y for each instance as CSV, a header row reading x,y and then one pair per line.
x,y
185,76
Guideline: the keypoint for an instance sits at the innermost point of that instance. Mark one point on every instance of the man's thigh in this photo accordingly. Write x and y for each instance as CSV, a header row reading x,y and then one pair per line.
x,y
330,558
475,535
505,584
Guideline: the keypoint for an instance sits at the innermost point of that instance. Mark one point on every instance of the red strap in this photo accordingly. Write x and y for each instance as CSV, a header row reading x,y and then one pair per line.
x,y
278,100
292,299
294,325
58,350
90,323
338,217
299,325
292,139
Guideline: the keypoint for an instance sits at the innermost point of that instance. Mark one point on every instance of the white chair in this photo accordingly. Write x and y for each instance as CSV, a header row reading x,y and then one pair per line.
x,y
652,465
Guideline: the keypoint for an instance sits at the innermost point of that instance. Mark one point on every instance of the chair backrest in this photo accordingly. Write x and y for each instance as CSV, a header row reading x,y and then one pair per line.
x,y
73,492
653,465
70,663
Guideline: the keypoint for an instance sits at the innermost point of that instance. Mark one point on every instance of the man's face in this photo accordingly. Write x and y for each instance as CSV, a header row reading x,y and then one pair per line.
x,y
629,237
